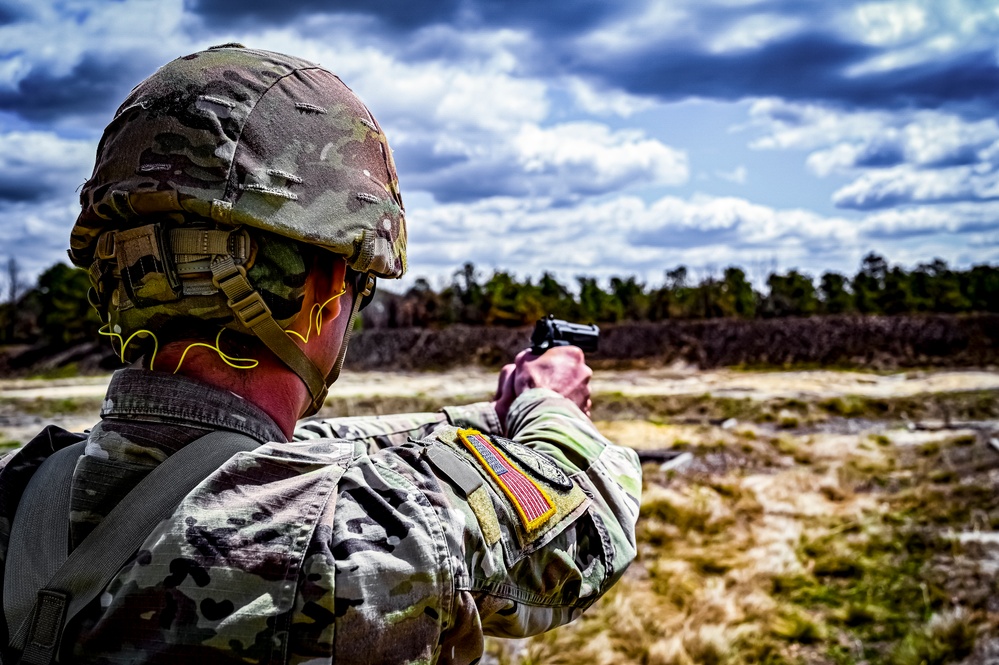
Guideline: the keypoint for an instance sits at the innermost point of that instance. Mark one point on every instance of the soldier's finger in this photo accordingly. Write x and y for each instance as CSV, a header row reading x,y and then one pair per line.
x,y
504,385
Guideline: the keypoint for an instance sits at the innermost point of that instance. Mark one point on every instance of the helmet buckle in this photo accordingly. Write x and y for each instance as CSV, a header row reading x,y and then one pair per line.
x,y
251,310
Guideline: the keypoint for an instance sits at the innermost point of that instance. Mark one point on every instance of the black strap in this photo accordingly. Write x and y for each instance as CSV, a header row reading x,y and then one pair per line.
x,y
92,565
40,518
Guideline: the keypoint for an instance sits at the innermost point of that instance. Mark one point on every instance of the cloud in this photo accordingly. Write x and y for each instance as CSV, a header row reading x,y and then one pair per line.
x,y
36,233
960,218
562,162
603,101
64,60
37,165
557,17
894,159
737,175
905,185
889,23
624,235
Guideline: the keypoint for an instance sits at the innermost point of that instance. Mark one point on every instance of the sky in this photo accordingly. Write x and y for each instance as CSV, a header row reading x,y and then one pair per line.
x,y
580,137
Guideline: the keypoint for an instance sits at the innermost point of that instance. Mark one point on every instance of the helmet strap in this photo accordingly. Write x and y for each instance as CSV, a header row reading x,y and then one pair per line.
x,y
252,312
358,297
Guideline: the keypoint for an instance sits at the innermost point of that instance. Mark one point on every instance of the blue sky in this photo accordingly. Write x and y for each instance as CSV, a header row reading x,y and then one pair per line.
x,y
594,137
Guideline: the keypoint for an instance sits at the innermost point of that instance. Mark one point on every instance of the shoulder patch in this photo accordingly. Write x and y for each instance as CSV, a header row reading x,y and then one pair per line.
x,y
533,504
534,463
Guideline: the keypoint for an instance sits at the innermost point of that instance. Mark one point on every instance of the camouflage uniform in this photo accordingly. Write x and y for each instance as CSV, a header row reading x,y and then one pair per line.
x,y
400,540
376,550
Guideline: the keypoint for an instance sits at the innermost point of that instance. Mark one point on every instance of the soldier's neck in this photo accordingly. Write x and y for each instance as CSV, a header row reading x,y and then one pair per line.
x,y
271,386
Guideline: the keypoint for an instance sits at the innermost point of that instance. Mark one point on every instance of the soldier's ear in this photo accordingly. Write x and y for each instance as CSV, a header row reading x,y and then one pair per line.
x,y
329,276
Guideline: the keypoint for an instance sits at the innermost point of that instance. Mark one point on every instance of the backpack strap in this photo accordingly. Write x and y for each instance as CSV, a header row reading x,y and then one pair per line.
x,y
40,518
91,566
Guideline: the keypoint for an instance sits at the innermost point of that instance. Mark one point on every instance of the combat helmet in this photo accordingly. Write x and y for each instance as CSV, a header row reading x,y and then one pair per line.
x,y
213,176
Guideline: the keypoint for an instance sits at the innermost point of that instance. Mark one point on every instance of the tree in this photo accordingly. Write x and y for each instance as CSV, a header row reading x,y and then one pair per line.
x,y
936,288
631,297
470,298
981,286
66,315
869,283
791,295
740,298
595,304
835,297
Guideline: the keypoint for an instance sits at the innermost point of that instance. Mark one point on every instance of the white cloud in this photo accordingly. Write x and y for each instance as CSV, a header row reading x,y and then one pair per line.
x,y
657,21
562,162
790,125
918,31
33,163
604,102
37,234
589,156
60,33
753,32
738,175
904,185
886,23
895,159
624,235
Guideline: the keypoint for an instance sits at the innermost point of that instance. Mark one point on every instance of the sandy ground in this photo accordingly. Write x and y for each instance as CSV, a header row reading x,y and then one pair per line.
x,y
24,410
664,381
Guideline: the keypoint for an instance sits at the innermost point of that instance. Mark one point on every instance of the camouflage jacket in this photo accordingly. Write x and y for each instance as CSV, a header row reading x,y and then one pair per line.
x,y
364,548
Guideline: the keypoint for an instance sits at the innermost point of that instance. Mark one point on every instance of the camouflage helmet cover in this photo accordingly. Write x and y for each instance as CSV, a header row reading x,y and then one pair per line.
x,y
254,138
211,145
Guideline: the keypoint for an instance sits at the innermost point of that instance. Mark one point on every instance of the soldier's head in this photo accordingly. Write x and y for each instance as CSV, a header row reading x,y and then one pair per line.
x,y
223,183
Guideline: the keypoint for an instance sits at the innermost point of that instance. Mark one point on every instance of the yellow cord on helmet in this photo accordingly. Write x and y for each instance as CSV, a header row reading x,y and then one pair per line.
x,y
107,332
316,314
249,363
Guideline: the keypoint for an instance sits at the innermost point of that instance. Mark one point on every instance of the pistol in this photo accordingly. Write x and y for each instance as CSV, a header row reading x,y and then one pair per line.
x,y
549,332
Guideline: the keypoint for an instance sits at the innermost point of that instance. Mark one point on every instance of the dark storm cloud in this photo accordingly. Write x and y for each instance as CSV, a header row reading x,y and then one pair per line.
x,y
11,12
554,16
394,12
22,188
803,67
94,87
880,154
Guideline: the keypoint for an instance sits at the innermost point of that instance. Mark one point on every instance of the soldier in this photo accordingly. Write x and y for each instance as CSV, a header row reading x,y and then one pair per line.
x,y
241,206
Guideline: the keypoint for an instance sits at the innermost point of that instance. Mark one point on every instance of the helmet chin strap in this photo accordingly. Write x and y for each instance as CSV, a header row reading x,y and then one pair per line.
x,y
358,297
250,310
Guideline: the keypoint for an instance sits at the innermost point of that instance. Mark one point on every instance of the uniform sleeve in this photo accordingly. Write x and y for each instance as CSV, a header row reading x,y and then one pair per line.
x,y
432,549
378,432
563,571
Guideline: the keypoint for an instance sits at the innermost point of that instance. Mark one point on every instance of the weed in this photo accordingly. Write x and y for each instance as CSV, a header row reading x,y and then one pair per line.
x,y
962,440
946,638
880,439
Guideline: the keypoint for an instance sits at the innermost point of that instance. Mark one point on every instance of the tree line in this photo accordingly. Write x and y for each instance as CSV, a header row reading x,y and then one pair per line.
x,y
55,310
876,288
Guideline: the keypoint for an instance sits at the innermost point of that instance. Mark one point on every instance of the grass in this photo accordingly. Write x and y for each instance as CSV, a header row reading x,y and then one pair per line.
x,y
811,549
47,408
782,543
790,413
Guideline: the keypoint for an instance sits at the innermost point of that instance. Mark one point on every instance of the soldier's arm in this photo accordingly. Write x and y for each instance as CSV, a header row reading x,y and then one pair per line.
x,y
428,547
377,432
554,575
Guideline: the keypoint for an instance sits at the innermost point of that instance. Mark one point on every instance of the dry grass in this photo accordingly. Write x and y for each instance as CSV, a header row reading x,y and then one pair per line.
x,y
817,548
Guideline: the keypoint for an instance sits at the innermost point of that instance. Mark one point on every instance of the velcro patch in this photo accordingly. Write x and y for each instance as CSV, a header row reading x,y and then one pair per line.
x,y
533,504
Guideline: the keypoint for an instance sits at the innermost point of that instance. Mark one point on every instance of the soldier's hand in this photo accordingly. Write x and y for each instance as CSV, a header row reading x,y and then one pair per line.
x,y
562,369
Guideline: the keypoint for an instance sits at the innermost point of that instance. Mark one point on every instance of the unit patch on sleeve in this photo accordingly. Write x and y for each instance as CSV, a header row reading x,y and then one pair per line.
x,y
534,463
533,504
